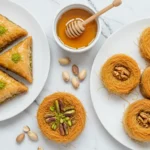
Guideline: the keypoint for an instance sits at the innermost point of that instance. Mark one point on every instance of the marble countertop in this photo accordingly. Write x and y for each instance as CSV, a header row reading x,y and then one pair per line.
x,y
94,137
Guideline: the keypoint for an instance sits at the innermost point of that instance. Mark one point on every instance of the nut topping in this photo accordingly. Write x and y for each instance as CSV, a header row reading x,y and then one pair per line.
x,y
143,119
121,73
60,117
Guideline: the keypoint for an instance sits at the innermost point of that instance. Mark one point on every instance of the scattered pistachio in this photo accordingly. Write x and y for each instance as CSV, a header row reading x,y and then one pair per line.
x,y
20,138
57,106
26,129
61,129
75,82
75,70
82,75
33,136
64,61
40,148
66,76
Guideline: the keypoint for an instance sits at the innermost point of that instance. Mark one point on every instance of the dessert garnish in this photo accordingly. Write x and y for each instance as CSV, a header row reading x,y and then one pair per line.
x,y
2,85
61,116
121,72
16,57
143,119
2,30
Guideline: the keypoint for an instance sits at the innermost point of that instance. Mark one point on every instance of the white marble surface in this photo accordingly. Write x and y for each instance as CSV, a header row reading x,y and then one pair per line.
x,y
94,137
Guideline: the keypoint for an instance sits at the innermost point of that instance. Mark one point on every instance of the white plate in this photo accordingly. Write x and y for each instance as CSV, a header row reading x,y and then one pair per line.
x,y
110,108
41,59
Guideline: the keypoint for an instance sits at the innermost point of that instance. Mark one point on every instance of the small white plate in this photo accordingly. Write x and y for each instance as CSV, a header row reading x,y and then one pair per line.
x,y
41,59
109,107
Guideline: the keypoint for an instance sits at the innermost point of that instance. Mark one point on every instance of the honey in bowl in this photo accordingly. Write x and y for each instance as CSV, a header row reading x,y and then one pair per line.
x,y
88,35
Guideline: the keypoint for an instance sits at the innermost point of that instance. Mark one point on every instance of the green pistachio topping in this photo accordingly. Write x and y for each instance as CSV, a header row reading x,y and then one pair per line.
x,y
2,85
52,108
16,57
2,30
60,118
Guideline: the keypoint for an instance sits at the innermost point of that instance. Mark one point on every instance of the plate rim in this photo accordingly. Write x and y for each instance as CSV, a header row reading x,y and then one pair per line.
x,y
92,69
49,59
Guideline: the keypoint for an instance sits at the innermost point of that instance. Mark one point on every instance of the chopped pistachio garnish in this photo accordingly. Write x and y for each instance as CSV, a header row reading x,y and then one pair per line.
x,y
2,85
52,108
16,57
2,30
61,117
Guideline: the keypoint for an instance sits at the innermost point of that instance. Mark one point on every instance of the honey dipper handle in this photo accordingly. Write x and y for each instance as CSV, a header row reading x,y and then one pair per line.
x,y
93,17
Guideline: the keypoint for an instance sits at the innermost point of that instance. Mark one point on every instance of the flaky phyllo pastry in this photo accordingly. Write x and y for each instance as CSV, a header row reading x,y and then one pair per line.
x,y
9,32
19,59
9,87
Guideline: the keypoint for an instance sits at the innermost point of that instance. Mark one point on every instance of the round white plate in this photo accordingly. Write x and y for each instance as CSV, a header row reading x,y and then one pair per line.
x,y
41,59
109,107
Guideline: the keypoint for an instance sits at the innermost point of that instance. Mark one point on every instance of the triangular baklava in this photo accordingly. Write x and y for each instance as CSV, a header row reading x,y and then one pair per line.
x,y
19,59
9,87
9,32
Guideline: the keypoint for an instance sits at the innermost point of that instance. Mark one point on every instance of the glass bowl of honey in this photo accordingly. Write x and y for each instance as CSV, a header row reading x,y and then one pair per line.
x,y
87,39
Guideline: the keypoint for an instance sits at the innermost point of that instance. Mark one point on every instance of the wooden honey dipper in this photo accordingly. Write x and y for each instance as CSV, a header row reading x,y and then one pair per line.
x,y
75,27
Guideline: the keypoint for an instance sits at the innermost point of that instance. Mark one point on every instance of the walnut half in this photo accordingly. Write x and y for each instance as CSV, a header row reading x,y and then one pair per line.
x,y
121,73
143,119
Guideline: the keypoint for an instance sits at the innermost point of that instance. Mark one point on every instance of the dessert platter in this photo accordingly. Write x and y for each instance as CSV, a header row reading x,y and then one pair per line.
x,y
23,53
119,85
